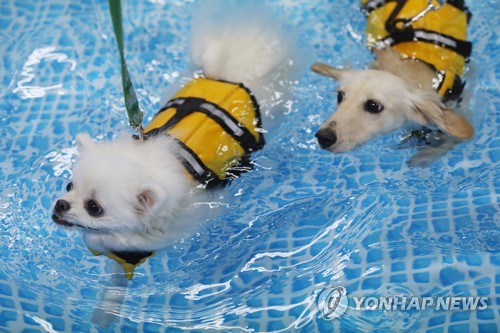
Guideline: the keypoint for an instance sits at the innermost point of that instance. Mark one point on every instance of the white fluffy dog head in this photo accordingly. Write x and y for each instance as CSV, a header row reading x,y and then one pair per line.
x,y
123,186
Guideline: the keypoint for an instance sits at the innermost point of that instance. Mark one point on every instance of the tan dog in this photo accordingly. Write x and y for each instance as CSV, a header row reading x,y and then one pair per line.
x,y
400,89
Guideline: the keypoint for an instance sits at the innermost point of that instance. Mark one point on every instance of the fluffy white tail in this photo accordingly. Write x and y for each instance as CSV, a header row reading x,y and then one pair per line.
x,y
239,42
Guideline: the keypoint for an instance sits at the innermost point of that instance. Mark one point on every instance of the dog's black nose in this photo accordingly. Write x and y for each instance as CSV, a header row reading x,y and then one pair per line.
x,y
62,206
326,138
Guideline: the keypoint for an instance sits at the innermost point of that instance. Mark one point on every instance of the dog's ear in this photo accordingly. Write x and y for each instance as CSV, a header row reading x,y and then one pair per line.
x,y
84,141
147,198
327,70
428,110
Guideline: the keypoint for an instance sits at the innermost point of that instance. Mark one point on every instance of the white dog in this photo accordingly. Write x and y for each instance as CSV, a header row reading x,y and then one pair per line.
x,y
408,82
127,196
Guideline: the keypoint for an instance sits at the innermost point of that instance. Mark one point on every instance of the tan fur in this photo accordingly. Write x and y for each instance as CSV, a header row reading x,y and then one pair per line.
x,y
405,89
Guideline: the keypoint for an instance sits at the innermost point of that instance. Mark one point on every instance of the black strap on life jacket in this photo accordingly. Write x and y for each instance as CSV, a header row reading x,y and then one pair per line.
x,y
132,258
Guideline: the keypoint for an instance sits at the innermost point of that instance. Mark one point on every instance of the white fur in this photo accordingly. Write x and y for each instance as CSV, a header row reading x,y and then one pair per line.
x,y
115,173
142,187
248,52
404,88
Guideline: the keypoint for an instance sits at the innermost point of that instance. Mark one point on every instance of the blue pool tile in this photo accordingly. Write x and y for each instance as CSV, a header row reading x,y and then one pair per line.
x,y
278,245
450,275
436,330
7,315
447,259
157,299
471,260
438,320
29,321
296,311
439,213
367,179
5,289
274,314
128,328
276,301
255,303
441,225
305,232
495,260
488,327
494,155
374,255
486,314
89,293
352,273
459,328
152,328
371,283
398,266
254,315
178,300
461,289
53,310
395,234
421,263
6,303
423,277
372,238
255,326
398,253
464,222
418,226
277,288
485,280
275,325
57,323
399,278
29,307
317,248
300,284
460,316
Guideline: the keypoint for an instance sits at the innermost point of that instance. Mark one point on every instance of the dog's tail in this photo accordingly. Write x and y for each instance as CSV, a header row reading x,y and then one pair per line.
x,y
241,42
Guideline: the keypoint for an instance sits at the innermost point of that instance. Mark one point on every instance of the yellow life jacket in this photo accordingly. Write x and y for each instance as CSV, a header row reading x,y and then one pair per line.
x,y
217,125
128,260
438,38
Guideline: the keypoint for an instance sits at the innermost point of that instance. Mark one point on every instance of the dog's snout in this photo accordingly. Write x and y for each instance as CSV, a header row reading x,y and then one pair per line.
x,y
326,138
62,206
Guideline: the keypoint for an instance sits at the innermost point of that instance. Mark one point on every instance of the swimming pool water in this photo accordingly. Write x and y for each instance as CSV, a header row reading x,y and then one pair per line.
x,y
301,221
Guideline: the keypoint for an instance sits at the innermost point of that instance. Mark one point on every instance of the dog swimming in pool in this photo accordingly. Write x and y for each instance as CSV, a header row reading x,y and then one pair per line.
x,y
421,50
127,196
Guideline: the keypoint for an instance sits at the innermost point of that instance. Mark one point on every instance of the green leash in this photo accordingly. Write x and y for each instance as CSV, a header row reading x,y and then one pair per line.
x,y
135,114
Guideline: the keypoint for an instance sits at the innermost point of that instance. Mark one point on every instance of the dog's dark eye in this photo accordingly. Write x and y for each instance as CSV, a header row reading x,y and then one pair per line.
x,y
373,106
93,208
69,187
340,96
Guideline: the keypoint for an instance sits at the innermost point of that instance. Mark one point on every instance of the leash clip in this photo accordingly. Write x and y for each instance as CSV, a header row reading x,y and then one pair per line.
x,y
430,7
140,133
